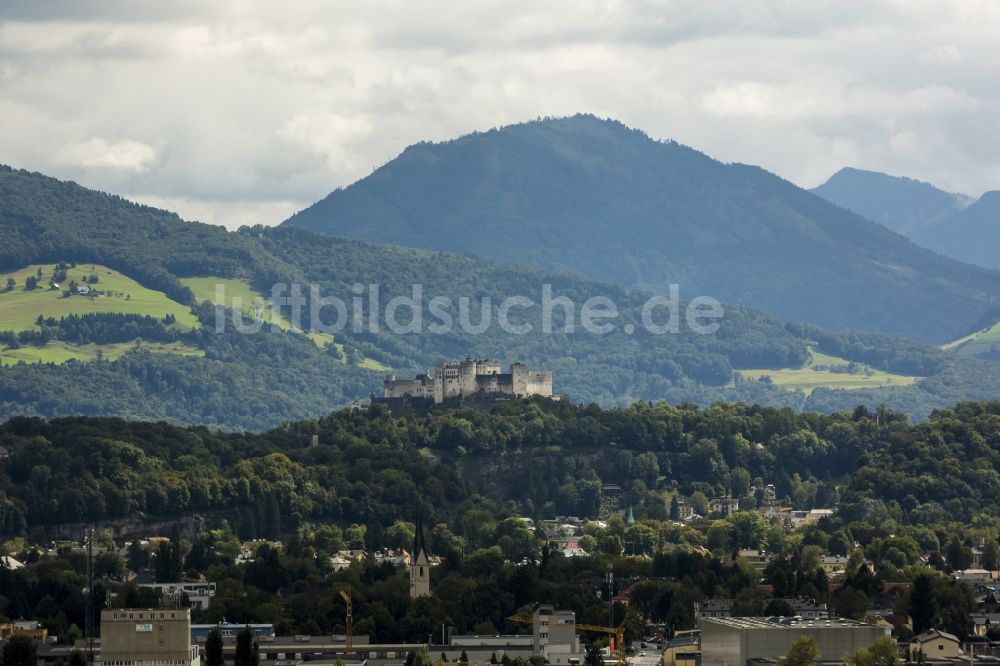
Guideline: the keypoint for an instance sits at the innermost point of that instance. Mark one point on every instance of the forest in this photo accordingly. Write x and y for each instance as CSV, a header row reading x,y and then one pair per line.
x,y
909,499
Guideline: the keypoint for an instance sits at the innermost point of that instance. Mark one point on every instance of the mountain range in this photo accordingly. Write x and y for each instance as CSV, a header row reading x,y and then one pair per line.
x,y
955,225
135,358
902,204
596,197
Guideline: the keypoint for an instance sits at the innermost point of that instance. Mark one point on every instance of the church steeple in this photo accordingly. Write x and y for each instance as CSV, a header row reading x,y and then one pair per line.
x,y
420,566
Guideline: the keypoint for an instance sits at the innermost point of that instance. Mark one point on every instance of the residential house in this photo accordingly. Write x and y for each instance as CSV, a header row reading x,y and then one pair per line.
x,y
198,594
683,650
724,505
833,565
974,576
936,644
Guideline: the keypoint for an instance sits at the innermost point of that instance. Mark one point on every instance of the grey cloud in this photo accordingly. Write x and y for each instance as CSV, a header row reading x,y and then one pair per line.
x,y
250,109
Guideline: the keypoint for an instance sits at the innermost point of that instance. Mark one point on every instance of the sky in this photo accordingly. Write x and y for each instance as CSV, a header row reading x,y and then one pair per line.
x,y
242,112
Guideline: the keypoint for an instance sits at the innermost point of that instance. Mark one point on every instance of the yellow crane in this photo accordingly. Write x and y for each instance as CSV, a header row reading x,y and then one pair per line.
x,y
346,596
618,633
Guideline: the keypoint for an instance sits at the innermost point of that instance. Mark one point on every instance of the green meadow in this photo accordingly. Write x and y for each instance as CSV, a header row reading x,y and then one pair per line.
x,y
59,352
826,371
983,342
254,306
19,307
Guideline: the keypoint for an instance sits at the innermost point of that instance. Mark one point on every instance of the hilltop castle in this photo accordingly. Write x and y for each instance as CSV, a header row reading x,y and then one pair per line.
x,y
469,378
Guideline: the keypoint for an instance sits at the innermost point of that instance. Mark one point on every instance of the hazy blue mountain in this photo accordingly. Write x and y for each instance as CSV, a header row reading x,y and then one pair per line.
x,y
607,201
971,235
903,204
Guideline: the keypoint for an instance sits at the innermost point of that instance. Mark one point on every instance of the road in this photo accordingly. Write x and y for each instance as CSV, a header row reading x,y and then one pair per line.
x,y
652,658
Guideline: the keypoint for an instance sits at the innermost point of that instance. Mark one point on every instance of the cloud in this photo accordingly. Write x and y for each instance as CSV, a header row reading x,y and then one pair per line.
x,y
242,110
124,155
941,55
328,135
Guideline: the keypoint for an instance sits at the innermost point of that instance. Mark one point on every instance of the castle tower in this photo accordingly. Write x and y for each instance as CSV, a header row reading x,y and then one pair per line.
x,y
420,566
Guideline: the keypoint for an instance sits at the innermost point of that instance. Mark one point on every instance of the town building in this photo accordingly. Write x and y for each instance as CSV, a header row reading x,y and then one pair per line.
x,y
834,565
198,595
230,630
807,609
684,649
147,637
935,644
724,505
554,636
468,378
735,641
28,628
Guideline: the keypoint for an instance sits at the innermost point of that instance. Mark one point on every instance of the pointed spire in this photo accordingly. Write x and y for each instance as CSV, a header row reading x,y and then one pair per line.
x,y
418,538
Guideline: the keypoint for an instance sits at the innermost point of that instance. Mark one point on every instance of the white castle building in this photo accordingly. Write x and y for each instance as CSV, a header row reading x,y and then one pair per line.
x,y
469,377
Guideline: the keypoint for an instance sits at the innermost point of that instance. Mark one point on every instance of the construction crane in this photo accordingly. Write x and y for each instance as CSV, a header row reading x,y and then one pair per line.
x,y
346,596
617,632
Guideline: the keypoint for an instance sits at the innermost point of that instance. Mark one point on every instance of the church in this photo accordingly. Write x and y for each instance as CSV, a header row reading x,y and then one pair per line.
x,y
420,566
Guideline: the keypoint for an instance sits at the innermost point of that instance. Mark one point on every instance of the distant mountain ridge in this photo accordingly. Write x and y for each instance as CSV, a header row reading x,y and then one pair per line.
x,y
972,234
604,200
902,204
955,225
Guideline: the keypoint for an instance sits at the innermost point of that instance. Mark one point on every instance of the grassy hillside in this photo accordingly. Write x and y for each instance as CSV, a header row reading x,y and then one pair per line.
x,y
983,343
58,352
610,203
19,307
205,289
826,371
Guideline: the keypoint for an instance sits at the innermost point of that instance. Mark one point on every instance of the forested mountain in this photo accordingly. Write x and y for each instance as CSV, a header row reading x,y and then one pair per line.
x,y
46,220
533,457
972,234
239,381
902,204
906,496
607,201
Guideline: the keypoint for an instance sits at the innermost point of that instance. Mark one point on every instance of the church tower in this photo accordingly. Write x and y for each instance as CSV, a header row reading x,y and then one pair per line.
x,y
420,566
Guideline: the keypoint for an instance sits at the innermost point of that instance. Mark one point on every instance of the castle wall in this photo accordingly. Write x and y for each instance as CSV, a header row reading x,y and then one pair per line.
x,y
420,387
539,382
519,379
468,377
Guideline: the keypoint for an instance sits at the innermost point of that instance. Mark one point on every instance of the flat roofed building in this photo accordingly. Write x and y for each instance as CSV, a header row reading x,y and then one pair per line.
x,y
153,637
734,641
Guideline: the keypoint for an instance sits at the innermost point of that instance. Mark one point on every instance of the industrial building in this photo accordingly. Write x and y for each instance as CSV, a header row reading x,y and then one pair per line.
x,y
147,637
736,641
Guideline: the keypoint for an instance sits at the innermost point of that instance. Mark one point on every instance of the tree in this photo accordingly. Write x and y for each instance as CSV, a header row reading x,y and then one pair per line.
x,y
400,534
138,558
355,536
593,656
923,606
247,648
213,648
959,555
11,283
803,652
991,555
882,652
77,658
20,651
675,508
418,658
